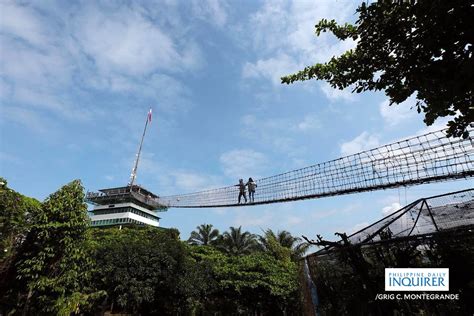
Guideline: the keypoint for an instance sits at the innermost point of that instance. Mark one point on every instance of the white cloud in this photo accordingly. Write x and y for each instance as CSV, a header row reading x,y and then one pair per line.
x,y
36,68
47,100
401,225
271,69
172,180
268,131
321,214
254,125
36,77
299,163
397,113
242,163
279,133
283,37
245,218
334,94
310,122
356,228
186,181
175,98
125,41
32,67
364,141
389,209
249,120
50,60
293,220
20,21
324,214
27,118
220,211
6,89
210,10
439,124
290,26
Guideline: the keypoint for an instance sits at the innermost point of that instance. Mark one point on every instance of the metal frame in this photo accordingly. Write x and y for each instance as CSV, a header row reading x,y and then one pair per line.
x,y
450,204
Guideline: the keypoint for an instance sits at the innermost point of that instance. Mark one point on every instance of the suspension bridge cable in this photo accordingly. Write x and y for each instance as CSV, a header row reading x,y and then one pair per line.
x,y
431,157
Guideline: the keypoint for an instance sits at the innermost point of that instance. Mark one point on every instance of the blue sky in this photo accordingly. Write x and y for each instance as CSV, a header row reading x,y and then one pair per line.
x,y
77,79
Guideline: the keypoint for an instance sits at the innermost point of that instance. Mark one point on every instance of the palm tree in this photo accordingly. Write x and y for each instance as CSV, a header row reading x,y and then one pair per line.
x,y
236,242
284,239
205,235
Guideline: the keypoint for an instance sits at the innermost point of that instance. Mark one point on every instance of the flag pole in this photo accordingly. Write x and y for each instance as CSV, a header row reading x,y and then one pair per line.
x,y
135,166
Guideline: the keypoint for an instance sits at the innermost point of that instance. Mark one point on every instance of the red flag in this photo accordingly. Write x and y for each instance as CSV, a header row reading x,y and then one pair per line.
x,y
149,115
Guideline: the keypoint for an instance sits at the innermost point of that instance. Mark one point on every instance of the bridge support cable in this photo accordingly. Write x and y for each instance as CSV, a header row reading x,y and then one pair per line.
x,y
431,157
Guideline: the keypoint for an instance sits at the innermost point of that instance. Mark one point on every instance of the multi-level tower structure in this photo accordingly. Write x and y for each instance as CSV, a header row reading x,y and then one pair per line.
x,y
131,204
127,205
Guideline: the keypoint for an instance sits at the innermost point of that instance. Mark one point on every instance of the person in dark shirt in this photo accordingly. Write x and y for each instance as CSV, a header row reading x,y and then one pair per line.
x,y
241,186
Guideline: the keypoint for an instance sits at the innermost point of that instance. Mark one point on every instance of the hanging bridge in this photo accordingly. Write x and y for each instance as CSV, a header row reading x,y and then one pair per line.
x,y
431,157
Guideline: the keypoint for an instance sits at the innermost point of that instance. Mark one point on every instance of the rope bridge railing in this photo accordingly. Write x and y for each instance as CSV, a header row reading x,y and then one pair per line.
x,y
421,159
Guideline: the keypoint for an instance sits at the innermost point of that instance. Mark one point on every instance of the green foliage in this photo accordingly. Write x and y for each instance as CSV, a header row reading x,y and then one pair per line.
x,y
236,242
404,48
341,32
277,249
244,273
61,266
248,284
283,245
144,270
149,271
15,210
52,267
205,235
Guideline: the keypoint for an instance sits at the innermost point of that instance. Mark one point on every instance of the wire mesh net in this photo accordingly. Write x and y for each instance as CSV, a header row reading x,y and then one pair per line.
x,y
348,278
426,158
421,217
431,232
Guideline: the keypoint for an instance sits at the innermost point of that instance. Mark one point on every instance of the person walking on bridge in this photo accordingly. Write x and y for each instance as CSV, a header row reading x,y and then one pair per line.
x,y
241,186
251,185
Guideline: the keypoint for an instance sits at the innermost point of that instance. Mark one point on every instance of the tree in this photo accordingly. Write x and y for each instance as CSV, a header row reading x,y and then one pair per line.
x,y
236,242
15,210
61,266
145,271
15,215
205,235
253,284
404,48
261,283
283,244
52,267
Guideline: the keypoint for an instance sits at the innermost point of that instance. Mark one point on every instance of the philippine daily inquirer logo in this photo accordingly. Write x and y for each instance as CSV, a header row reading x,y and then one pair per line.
x,y
416,279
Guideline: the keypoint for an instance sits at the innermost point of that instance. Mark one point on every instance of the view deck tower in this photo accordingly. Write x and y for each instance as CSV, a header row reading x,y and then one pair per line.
x,y
124,206
131,204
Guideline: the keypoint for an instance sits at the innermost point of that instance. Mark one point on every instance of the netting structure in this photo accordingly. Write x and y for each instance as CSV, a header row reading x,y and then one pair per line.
x,y
422,217
421,159
432,232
